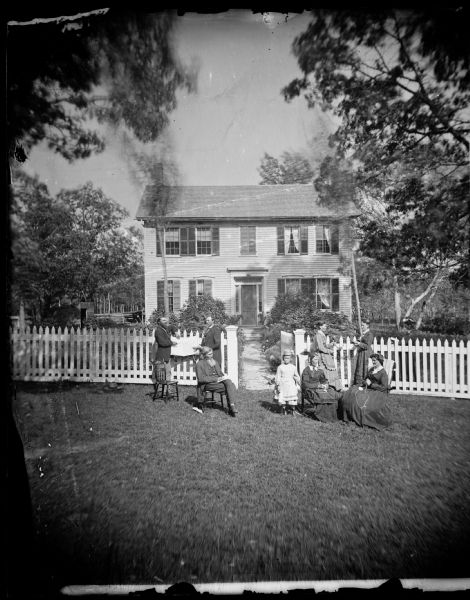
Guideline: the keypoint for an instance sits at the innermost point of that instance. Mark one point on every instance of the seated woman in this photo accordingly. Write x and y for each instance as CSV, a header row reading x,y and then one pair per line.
x,y
367,404
322,397
211,378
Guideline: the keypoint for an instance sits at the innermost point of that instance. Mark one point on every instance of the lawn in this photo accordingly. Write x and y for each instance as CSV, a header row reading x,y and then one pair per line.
x,y
126,490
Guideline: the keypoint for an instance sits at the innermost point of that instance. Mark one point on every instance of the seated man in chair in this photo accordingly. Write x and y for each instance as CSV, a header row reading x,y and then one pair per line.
x,y
211,378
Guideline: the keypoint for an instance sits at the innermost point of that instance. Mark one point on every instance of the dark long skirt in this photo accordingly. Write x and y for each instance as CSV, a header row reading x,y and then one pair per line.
x,y
367,408
322,404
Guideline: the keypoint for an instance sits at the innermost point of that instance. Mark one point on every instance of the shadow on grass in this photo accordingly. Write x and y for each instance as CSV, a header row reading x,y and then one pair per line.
x,y
270,406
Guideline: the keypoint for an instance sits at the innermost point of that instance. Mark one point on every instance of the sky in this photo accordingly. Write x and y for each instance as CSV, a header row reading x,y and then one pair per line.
x,y
218,135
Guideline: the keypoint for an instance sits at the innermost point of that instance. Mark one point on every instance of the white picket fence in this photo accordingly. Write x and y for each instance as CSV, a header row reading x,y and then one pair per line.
x,y
423,367
112,355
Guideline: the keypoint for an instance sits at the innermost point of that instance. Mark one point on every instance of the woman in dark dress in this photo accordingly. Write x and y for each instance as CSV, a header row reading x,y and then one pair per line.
x,y
364,350
367,404
322,398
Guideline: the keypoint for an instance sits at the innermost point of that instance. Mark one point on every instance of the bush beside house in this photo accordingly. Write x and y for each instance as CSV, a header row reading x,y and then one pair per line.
x,y
292,312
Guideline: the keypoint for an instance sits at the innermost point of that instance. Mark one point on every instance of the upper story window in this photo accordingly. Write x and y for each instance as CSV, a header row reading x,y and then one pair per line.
x,y
172,241
327,239
247,240
292,239
189,241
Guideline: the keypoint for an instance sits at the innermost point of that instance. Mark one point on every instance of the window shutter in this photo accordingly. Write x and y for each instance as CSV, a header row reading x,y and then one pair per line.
x,y
159,251
192,287
280,240
191,241
281,286
176,295
303,239
215,241
335,294
334,232
207,287
319,238
252,247
184,241
160,288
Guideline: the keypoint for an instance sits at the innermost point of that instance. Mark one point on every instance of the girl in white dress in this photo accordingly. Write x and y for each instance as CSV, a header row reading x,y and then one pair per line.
x,y
287,382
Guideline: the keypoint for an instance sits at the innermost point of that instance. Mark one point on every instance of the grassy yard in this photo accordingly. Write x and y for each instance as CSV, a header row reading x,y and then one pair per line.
x,y
125,490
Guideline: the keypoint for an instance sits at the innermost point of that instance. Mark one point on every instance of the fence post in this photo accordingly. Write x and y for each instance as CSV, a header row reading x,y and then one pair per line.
x,y
299,345
232,353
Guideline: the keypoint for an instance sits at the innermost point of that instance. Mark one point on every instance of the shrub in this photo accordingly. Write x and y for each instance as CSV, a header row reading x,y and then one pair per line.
x,y
196,308
64,316
157,314
294,311
273,356
447,324
271,335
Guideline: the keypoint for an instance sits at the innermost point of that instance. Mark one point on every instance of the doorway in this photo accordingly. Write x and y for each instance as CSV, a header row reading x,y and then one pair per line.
x,y
249,304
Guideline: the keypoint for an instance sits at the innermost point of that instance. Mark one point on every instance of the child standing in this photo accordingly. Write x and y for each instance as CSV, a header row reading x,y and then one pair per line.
x,y
287,384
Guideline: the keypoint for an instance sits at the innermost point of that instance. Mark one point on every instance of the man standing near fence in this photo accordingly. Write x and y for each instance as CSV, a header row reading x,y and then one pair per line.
x,y
212,339
161,350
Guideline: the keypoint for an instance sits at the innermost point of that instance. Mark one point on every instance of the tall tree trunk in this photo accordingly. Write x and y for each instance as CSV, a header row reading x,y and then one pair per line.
x,y
356,293
397,298
430,291
166,303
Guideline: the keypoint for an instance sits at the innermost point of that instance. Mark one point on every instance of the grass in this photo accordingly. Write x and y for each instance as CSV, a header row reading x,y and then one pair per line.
x,y
125,490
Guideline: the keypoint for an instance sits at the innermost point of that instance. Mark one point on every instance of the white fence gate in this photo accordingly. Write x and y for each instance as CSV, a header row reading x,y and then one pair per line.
x,y
113,355
422,367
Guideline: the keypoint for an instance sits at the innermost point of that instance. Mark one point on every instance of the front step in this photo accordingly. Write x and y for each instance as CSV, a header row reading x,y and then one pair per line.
x,y
252,334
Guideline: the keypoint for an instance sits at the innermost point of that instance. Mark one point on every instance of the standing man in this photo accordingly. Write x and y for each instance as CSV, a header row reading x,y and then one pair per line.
x,y
211,339
161,349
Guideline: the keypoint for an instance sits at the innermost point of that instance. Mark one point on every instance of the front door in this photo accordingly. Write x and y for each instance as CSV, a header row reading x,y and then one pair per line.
x,y
249,305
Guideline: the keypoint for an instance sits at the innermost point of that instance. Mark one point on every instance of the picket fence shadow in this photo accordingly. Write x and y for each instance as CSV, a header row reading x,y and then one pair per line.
x,y
104,355
421,367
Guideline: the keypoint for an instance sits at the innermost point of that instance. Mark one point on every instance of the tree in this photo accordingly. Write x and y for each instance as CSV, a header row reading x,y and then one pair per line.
x,y
107,65
399,82
292,167
73,244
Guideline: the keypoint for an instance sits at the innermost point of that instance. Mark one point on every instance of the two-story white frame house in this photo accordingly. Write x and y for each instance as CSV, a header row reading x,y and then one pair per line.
x,y
245,245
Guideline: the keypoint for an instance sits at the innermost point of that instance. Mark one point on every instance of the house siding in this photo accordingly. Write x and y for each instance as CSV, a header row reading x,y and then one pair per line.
x,y
231,263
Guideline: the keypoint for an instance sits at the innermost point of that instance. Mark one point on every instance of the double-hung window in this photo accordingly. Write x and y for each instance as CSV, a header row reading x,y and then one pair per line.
x,y
172,241
188,241
174,294
248,240
325,291
292,239
327,239
199,287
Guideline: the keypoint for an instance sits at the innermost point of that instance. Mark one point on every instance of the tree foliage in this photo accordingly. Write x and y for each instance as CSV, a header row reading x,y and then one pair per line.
x,y
399,82
73,244
291,167
110,65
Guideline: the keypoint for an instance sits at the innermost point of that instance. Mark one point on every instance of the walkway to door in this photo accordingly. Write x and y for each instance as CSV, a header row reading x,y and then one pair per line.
x,y
255,370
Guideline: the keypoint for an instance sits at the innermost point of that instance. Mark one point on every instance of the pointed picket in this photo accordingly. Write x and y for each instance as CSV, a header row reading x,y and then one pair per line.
x,y
440,383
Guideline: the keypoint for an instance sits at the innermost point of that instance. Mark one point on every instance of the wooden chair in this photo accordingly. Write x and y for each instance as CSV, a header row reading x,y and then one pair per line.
x,y
168,388
389,366
206,397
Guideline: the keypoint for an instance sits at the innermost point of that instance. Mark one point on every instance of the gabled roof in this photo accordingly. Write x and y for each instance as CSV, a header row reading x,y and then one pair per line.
x,y
238,202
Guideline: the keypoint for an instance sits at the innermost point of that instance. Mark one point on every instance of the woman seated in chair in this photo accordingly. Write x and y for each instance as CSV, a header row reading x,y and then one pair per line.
x,y
211,378
315,389
367,404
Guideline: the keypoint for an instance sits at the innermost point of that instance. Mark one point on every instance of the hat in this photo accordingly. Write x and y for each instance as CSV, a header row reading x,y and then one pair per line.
x,y
288,352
